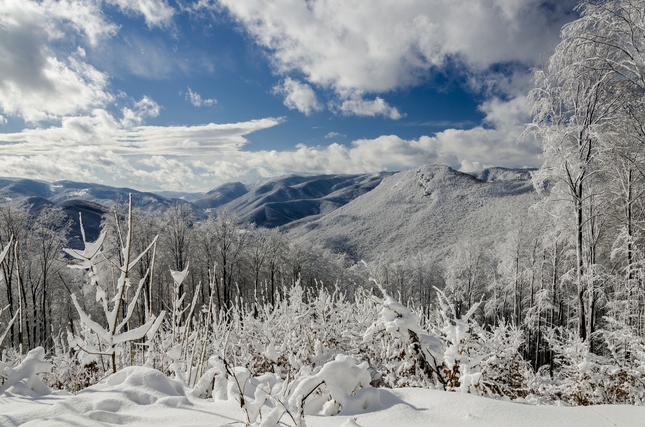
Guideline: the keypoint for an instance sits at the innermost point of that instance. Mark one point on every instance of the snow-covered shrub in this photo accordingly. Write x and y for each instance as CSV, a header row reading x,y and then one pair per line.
x,y
73,370
339,386
584,378
478,361
304,330
405,354
463,354
24,379
504,371
70,375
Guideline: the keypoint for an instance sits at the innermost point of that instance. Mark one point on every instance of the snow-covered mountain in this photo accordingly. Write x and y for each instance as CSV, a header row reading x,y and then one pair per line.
x,y
92,200
279,201
39,192
423,210
367,216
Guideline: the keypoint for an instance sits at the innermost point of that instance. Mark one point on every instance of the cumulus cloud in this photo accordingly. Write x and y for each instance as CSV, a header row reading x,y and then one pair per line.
x,y
355,52
142,109
197,100
202,157
378,46
465,150
298,96
36,83
335,135
103,148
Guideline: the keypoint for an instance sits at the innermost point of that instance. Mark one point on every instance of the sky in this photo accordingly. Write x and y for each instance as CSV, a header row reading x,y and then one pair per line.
x,y
186,95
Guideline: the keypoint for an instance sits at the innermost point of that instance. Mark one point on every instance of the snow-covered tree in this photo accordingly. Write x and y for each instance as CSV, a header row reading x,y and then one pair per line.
x,y
118,330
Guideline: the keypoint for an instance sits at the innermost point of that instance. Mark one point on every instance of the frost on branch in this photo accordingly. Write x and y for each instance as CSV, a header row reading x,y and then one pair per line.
x,y
117,332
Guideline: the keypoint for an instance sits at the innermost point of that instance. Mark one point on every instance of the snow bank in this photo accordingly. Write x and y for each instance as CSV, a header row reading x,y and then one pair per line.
x,y
407,407
127,397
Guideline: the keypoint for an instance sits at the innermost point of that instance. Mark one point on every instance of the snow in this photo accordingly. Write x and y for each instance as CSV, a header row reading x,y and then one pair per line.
x,y
426,210
139,396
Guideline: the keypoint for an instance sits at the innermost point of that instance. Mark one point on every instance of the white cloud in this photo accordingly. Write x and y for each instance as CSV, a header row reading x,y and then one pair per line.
x,y
335,135
142,109
116,151
3,120
36,83
356,105
506,114
197,100
358,56
157,13
81,16
298,96
381,45
102,148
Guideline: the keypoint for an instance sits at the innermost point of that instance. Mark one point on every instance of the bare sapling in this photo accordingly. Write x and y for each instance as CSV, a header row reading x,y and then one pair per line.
x,y
116,333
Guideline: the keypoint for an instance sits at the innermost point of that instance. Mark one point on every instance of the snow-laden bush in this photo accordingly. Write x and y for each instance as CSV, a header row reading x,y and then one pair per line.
x,y
340,386
72,370
478,361
117,309
581,377
272,350
304,330
24,379
403,354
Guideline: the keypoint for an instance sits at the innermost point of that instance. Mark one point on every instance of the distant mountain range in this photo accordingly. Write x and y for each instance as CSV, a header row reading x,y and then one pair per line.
x,y
92,200
364,215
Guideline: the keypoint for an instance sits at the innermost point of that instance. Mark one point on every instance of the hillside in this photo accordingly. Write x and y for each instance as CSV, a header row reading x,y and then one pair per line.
x,y
422,210
281,200
92,200
368,216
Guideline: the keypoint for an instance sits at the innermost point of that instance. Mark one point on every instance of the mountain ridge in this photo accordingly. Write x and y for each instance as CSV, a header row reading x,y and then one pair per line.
x,y
362,215
421,210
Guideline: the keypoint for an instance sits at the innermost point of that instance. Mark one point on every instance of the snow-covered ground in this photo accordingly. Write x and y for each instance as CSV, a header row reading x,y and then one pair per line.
x,y
140,396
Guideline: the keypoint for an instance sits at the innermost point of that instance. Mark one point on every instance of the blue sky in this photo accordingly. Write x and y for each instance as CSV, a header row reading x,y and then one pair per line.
x,y
189,94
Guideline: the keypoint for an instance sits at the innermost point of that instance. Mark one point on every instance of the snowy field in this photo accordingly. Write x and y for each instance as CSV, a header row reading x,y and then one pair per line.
x,y
141,396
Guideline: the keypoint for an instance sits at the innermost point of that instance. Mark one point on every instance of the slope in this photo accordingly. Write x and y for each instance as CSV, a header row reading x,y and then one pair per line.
x,y
278,201
422,210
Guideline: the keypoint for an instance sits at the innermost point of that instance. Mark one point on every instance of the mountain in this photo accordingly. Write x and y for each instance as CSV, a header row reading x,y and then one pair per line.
x,y
423,210
181,195
504,174
221,195
368,216
92,200
281,200
269,203
29,190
